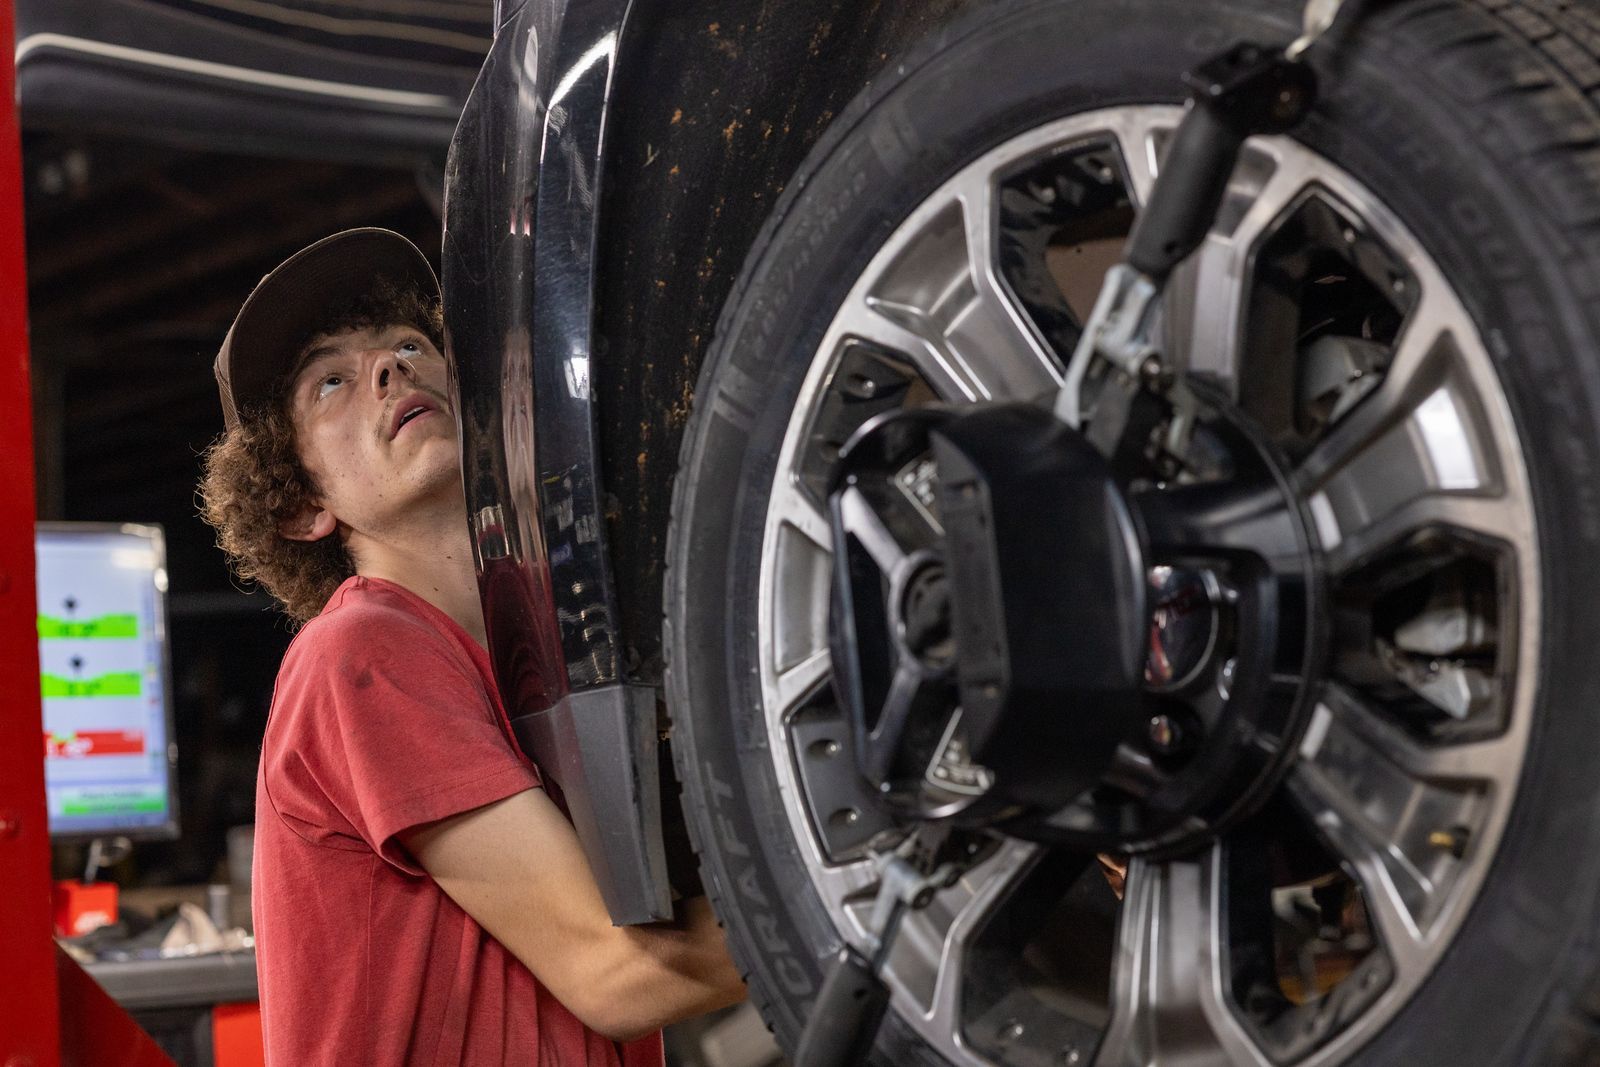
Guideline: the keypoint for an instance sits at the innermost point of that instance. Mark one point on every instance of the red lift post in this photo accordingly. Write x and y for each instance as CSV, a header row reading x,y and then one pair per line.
x,y
52,1014
28,1026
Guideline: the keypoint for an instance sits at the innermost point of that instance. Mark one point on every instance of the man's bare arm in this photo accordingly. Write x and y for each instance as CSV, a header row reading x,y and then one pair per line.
x,y
517,868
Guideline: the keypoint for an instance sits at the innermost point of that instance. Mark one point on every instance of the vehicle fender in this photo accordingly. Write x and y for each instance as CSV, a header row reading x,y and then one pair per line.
x,y
714,108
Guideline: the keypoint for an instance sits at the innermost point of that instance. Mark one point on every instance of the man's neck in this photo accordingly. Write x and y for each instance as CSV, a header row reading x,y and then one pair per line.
x,y
431,558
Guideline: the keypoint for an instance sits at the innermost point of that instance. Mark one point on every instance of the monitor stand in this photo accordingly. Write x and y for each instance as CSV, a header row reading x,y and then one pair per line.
x,y
105,852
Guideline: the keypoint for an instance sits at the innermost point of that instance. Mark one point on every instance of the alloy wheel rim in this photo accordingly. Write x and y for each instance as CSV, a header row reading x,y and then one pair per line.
x,y
944,297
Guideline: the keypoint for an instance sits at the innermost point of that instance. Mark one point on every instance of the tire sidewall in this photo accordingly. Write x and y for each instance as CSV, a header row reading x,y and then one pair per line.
x,y
1388,118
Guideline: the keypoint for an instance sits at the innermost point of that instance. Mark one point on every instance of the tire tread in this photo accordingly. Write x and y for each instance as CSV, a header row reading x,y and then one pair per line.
x,y
1546,59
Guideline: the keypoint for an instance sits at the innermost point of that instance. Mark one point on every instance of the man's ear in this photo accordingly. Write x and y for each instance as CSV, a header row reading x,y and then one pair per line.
x,y
312,524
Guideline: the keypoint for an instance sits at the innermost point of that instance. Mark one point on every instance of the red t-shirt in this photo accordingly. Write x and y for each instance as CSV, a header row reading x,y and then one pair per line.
x,y
386,717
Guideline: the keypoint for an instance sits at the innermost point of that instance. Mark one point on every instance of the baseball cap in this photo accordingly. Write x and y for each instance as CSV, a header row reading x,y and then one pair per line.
x,y
295,298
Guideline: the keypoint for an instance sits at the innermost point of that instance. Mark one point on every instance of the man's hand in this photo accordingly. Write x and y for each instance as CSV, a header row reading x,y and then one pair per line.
x,y
517,868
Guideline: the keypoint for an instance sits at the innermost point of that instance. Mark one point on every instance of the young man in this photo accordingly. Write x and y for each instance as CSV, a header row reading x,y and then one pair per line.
x,y
418,897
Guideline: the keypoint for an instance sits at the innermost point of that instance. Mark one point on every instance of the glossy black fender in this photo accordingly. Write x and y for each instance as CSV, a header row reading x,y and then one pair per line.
x,y
610,171
525,162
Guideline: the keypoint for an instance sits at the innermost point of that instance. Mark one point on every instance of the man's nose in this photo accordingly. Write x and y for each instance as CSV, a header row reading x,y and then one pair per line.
x,y
385,368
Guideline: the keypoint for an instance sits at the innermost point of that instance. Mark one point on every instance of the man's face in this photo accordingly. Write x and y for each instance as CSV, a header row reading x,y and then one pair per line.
x,y
374,426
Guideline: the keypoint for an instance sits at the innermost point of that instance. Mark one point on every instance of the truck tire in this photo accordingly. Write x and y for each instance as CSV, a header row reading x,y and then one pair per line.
x,y
1455,149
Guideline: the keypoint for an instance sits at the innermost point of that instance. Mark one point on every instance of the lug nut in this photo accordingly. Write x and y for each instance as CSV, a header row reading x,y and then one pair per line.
x,y
859,386
1165,734
1453,841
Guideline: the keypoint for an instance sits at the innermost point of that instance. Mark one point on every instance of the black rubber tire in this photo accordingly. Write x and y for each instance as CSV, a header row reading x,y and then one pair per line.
x,y
1473,119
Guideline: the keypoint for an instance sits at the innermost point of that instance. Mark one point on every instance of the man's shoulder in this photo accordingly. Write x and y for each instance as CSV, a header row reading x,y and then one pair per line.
x,y
371,643
361,609
369,631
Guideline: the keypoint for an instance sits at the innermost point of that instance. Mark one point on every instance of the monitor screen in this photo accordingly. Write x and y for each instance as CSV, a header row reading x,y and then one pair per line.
x,y
108,749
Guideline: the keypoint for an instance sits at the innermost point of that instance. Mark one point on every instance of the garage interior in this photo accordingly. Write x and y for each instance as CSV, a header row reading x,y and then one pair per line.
x,y
1310,615
130,293
139,251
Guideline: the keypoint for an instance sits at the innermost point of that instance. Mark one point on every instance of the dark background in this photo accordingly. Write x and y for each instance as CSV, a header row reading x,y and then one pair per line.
x,y
153,206
138,258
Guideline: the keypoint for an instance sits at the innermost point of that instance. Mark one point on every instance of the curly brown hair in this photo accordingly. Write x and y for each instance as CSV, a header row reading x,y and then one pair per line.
x,y
253,481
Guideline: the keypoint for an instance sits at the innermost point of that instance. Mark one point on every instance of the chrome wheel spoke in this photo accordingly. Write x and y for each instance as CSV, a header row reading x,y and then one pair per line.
x,y
1414,371
992,323
1394,890
1494,517
1203,313
907,331
1140,135
1347,723
800,681
931,956
1169,1002
842,884
1205,299
1417,453
800,545
794,509
943,305
1270,184
1401,814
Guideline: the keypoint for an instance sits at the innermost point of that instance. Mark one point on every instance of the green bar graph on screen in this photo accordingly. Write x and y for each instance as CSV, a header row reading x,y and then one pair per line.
x,y
115,684
104,626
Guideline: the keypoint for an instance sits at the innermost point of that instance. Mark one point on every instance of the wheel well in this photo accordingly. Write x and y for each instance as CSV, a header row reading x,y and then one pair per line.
x,y
714,109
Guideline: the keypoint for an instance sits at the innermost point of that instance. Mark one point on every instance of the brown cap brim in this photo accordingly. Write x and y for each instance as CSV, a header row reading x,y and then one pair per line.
x,y
295,299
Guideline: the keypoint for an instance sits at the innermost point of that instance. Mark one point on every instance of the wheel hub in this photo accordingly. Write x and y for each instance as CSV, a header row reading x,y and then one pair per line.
x,y
922,620
1025,637
1184,624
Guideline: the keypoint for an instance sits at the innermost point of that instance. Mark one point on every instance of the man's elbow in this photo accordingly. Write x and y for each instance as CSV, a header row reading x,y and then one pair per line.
x,y
614,1018
624,1011
627,1030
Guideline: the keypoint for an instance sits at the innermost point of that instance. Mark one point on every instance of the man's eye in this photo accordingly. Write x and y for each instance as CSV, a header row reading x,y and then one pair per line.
x,y
327,384
409,349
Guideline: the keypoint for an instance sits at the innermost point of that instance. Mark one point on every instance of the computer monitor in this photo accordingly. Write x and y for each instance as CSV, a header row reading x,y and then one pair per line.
x,y
110,759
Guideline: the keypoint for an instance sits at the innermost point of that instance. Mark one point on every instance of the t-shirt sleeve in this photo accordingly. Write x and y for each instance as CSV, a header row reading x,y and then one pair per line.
x,y
419,737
